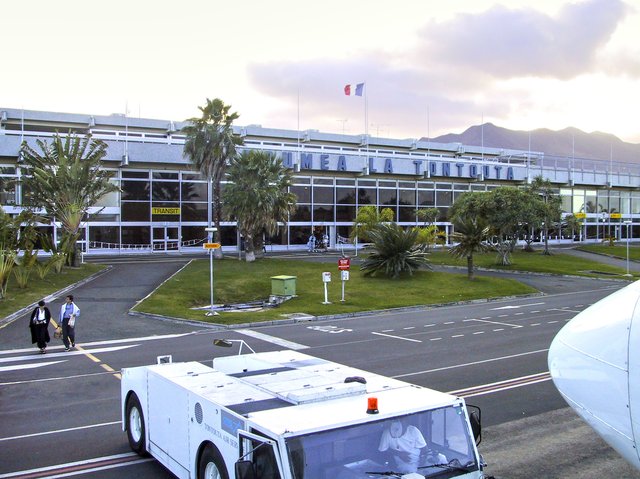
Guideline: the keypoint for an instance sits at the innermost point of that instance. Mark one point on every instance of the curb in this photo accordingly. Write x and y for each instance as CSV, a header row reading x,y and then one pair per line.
x,y
15,315
328,317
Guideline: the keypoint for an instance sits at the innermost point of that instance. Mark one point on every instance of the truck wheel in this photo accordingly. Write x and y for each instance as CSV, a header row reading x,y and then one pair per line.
x,y
211,465
135,425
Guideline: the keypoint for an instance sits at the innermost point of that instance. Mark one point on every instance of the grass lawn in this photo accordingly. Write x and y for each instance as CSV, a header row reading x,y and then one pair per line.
x,y
39,288
236,281
556,263
619,250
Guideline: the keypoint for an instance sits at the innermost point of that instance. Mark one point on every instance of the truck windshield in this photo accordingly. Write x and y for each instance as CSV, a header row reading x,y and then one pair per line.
x,y
433,443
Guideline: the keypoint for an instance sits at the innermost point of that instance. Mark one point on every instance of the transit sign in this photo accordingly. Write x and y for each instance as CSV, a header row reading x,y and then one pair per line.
x,y
344,264
211,245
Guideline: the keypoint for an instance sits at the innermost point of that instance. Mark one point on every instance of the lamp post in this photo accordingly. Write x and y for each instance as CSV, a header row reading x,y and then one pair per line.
x,y
628,223
210,230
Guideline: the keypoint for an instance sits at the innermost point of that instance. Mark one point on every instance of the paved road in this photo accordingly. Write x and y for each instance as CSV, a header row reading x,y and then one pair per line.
x,y
529,433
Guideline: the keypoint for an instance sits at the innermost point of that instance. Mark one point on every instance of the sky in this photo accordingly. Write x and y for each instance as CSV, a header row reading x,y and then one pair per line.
x,y
430,67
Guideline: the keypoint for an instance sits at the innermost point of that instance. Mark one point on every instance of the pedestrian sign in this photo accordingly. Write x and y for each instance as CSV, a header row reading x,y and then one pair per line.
x,y
344,264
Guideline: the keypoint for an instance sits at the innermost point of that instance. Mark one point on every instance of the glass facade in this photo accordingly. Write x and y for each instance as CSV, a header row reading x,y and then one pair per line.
x,y
164,205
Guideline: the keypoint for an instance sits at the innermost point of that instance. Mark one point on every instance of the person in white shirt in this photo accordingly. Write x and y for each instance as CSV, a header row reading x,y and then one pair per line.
x,y
405,444
69,312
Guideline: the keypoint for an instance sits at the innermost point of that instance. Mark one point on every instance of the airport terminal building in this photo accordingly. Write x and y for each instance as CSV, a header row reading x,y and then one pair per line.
x,y
163,203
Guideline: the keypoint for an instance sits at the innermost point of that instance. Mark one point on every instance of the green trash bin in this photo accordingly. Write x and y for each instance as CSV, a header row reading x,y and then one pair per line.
x,y
283,285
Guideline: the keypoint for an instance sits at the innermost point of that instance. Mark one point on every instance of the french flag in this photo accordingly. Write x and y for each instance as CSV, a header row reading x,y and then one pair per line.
x,y
351,90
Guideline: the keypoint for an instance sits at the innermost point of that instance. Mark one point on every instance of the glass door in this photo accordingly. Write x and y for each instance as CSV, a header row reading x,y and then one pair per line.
x,y
166,238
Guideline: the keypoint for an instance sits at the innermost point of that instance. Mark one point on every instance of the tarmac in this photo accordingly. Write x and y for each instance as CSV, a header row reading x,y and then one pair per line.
x,y
515,450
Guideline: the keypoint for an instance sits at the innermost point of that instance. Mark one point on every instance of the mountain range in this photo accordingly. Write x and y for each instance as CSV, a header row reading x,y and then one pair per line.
x,y
570,142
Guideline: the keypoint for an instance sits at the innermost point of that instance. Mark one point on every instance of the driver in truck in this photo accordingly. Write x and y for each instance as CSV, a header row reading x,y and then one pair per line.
x,y
405,444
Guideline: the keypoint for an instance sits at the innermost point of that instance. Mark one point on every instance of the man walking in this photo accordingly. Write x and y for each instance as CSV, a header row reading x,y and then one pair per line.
x,y
69,312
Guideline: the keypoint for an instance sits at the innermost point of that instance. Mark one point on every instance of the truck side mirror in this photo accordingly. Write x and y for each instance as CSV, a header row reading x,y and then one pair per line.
x,y
475,419
245,470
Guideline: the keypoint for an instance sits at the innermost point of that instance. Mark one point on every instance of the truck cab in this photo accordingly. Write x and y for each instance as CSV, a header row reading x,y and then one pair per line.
x,y
288,415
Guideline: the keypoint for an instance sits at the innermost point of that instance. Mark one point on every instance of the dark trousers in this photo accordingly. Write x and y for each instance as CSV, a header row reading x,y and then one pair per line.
x,y
41,335
68,333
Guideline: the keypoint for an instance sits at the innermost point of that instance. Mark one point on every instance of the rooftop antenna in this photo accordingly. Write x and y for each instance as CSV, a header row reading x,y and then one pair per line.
x,y
482,134
343,124
125,157
529,159
297,164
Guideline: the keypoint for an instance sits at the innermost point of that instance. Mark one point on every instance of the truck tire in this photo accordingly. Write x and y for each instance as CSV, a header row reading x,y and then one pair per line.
x,y
135,425
211,465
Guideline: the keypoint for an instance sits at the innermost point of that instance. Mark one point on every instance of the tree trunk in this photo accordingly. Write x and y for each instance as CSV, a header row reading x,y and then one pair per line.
x,y
258,247
528,240
504,252
546,241
249,254
470,267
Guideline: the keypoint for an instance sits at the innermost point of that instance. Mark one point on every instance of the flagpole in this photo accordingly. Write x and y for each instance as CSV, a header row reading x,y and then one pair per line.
x,y
428,134
366,123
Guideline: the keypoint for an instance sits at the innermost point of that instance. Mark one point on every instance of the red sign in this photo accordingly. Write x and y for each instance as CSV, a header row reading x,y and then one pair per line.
x,y
344,264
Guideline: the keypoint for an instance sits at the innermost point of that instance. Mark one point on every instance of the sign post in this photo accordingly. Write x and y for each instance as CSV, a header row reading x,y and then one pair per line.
x,y
211,246
326,278
343,265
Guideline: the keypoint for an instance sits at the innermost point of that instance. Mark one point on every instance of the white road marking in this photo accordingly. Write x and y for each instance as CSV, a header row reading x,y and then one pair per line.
x,y
100,343
474,363
272,339
54,378
396,337
66,353
516,307
57,431
457,336
76,468
563,310
17,367
497,322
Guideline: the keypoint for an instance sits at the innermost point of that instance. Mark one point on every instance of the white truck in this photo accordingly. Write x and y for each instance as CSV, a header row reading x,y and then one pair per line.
x,y
287,415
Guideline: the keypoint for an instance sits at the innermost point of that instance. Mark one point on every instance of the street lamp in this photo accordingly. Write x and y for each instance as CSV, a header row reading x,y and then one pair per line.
x,y
628,223
210,230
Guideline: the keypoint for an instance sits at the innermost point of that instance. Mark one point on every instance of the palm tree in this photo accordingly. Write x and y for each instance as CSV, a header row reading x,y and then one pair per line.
x,y
550,209
65,179
395,251
572,226
258,196
470,234
210,144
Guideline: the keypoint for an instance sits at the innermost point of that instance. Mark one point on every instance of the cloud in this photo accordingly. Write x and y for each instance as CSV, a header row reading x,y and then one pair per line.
x,y
459,70
512,43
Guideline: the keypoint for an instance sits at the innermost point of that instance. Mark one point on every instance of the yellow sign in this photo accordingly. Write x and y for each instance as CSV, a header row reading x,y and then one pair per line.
x,y
211,245
616,216
165,211
580,215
